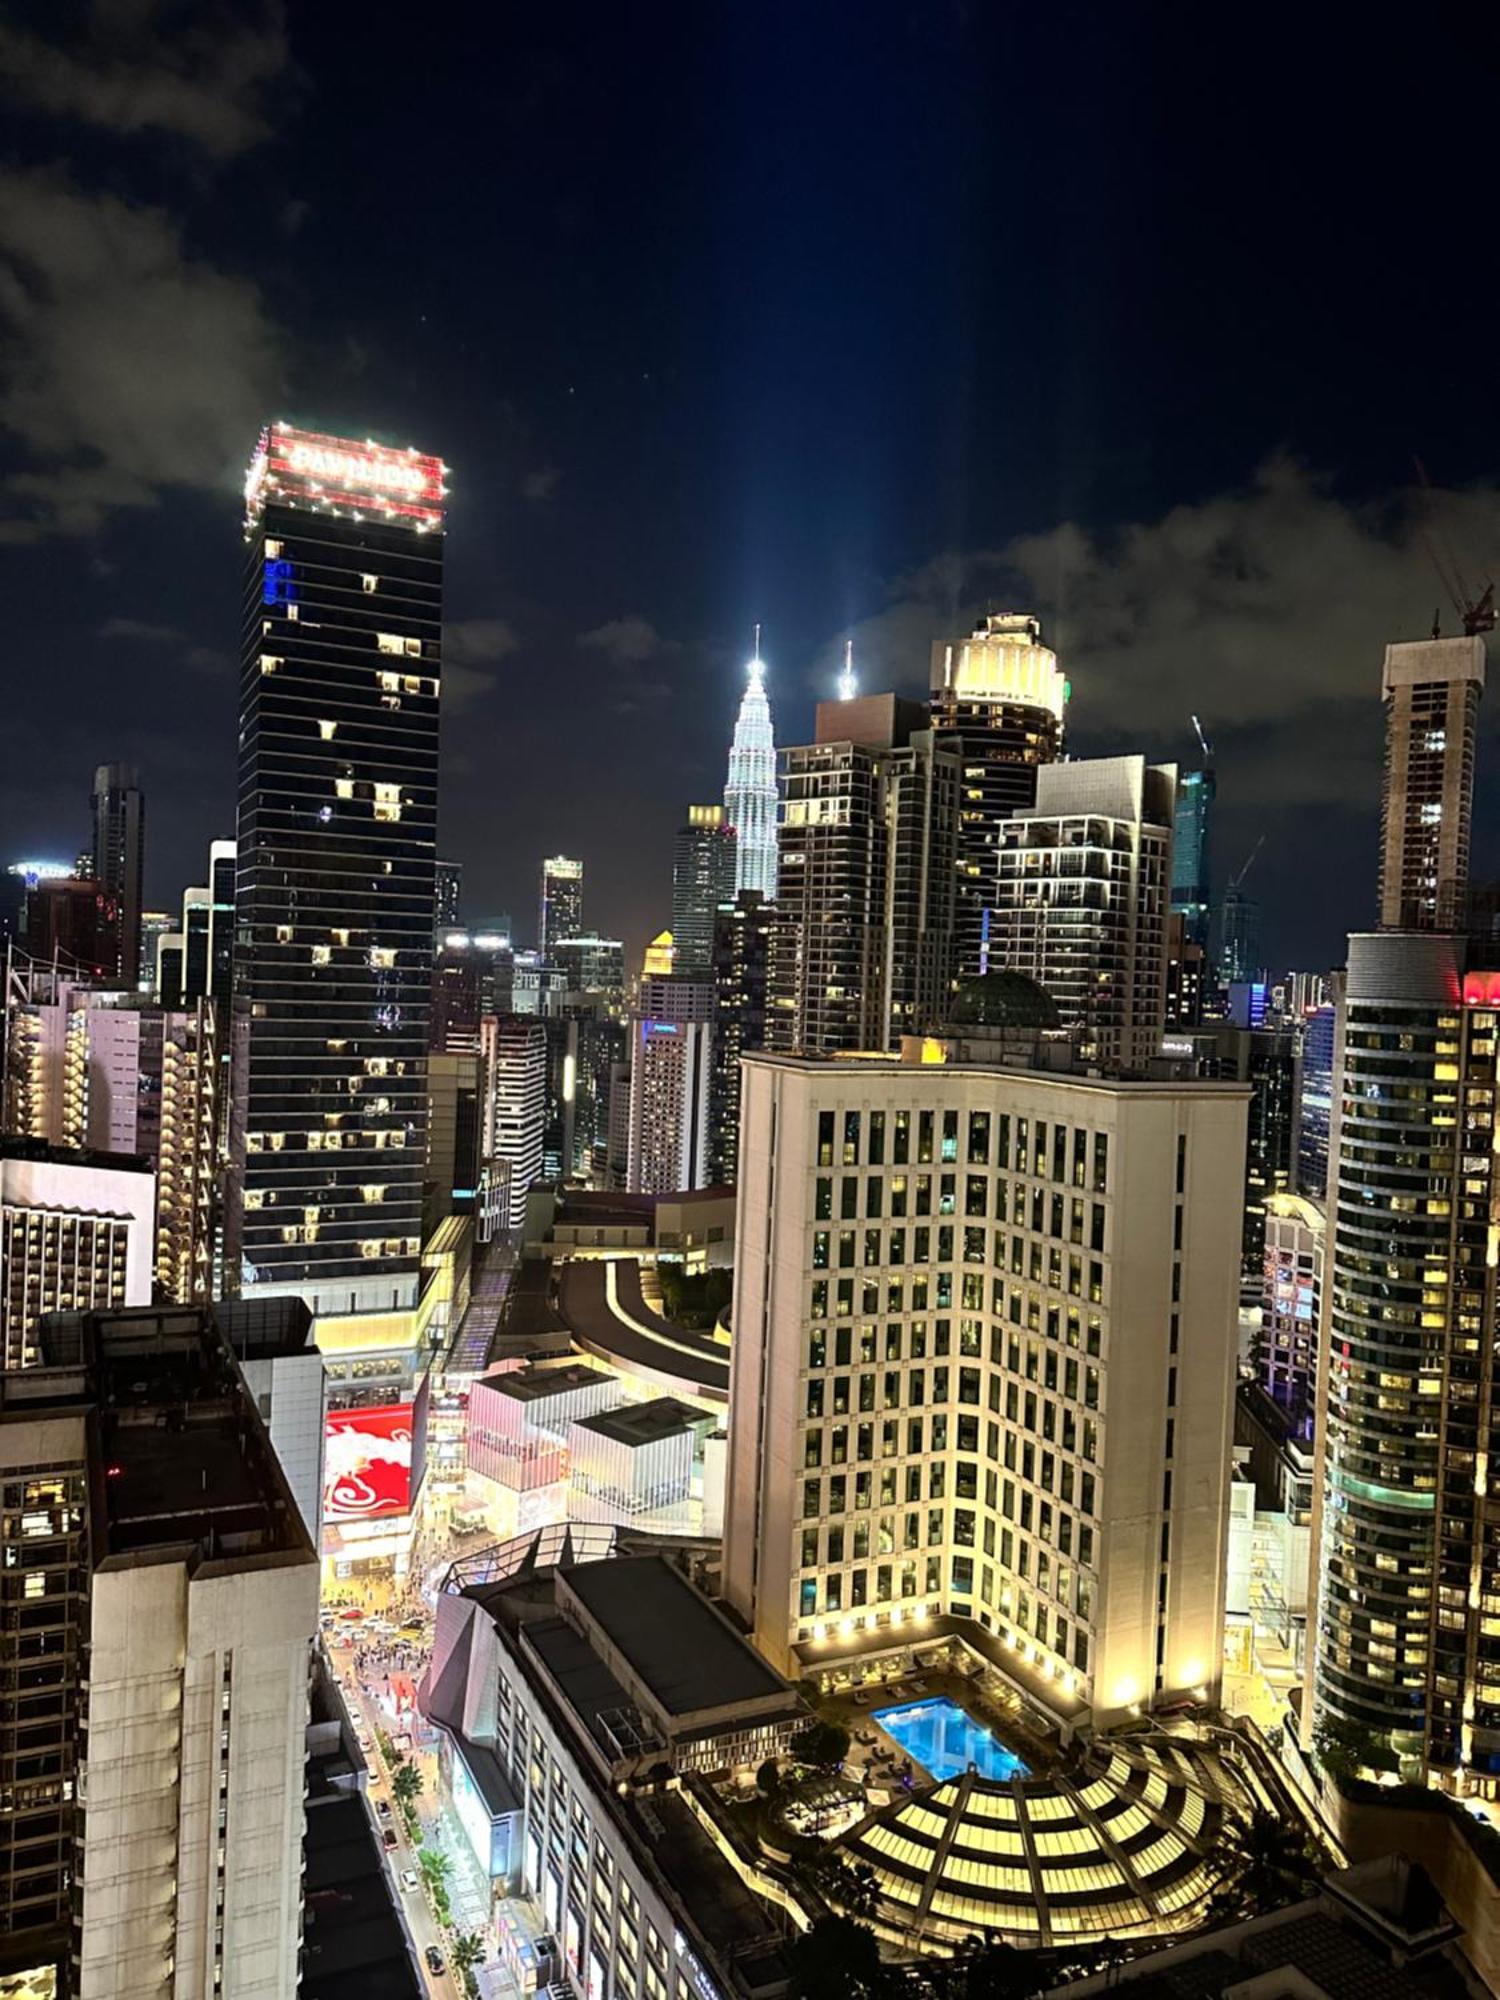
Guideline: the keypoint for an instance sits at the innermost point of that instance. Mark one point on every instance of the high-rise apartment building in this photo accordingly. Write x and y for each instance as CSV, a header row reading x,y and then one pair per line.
x,y
73,922
750,794
560,912
671,1072
998,700
1187,964
1192,882
339,690
158,1603
1431,689
1294,1231
593,970
119,859
514,1051
75,1236
742,958
862,950
983,1371
1315,1106
1081,900
703,871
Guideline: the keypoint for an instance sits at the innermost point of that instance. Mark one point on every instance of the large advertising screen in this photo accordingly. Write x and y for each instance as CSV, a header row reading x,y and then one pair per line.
x,y
367,1463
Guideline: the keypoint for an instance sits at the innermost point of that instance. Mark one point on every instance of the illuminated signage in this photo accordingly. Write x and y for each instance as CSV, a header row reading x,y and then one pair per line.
x,y
344,475
367,1463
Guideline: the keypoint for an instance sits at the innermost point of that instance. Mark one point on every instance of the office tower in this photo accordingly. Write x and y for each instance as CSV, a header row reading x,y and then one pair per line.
x,y
741,971
1081,900
514,1048
561,911
998,700
1292,1284
602,1051
671,1066
638,1897
593,970
1002,1393
1269,1060
536,986
1239,938
862,950
453,1131
1186,964
750,794
118,859
448,895
158,1603
75,1235
473,974
659,957
155,925
561,1032
75,923
704,857
1406,1529
1315,1107
334,905
1192,881
1431,690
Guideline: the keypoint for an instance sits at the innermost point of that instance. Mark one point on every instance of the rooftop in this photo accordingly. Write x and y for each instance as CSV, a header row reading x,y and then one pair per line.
x,y
638,1424
683,1651
927,1070
601,1302
41,1151
533,1385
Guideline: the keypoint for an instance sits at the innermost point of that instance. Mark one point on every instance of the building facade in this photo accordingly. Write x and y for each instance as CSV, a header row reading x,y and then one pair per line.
x,y
750,794
862,949
1431,689
514,1052
703,871
560,911
1295,1231
998,701
339,695
1192,855
671,1072
1082,901
76,1235
742,955
983,1371
119,859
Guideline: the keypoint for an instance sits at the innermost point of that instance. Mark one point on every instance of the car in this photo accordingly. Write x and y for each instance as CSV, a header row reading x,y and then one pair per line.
x,y
434,1959
383,1808
410,1881
412,1629
388,1837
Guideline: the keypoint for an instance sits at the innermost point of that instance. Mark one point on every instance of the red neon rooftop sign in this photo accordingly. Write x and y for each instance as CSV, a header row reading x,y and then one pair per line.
x,y
345,476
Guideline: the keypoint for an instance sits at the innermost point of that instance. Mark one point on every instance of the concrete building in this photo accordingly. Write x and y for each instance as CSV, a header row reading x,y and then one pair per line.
x,y
272,1340
145,1512
632,1460
862,949
514,1111
1291,1301
983,1372
671,1074
599,1686
998,700
1082,900
1431,689
76,1235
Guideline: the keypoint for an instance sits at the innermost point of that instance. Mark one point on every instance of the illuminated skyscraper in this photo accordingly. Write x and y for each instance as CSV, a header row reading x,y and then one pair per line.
x,y
750,795
998,699
119,858
560,914
703,870
1192,894
1432,689
339,689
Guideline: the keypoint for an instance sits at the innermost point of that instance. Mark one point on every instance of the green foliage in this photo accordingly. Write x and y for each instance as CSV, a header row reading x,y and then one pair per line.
x,y
854,1886
768,1779
1345,1748
466,1952
393,1756
694,1302
824,1744
1261,1864
837,1959
435,1865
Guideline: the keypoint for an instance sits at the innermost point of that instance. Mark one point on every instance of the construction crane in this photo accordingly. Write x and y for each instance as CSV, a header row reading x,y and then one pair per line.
x,y
1476,611
1203,743
1236,880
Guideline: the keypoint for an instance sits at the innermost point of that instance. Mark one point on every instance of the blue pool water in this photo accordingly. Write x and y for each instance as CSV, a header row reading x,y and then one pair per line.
x,y
940,1736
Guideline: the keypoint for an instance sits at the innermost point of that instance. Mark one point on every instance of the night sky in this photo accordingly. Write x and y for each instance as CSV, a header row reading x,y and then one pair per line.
x,y
847,319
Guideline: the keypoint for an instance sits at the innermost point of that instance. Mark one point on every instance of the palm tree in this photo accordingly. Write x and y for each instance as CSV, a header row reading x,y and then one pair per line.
x,y
467,1952
436,1865
1260,1864
406,1785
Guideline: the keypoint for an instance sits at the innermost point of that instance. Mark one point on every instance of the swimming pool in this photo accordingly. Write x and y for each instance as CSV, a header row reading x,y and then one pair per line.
x,y
939,1735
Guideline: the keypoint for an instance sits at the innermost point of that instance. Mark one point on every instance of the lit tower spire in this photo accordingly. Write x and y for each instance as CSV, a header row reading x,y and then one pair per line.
x,y
750,795
848,682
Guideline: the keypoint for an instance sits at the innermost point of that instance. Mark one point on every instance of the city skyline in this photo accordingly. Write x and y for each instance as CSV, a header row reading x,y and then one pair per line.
x,y
819,461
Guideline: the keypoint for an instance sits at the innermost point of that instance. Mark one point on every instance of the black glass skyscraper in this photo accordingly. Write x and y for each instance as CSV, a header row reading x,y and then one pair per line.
x,y
337,848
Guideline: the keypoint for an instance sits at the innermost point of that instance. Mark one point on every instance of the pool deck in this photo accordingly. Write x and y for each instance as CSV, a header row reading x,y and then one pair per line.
x,y
931,1684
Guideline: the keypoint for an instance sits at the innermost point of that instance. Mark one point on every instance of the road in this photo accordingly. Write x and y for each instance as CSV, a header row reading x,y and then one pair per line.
x,y
415,1907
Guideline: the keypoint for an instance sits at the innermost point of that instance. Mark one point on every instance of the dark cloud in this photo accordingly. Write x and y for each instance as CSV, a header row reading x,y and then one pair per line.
x,y
167,640
199,71
130,366
542,484
470,647
626,641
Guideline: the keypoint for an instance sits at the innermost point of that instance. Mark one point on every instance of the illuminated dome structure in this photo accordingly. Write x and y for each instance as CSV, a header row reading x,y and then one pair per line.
x,y
1115,1846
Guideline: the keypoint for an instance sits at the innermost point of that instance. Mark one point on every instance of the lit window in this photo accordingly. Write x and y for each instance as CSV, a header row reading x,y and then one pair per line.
x,y
269,662
327,730
387,802
339,936
283,933
320,954
414,649
343,788
389,642
373,1191
369,584
382,957
273,549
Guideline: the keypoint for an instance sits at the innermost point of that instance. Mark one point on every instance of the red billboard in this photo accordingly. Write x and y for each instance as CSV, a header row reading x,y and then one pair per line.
x,y
367,1463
